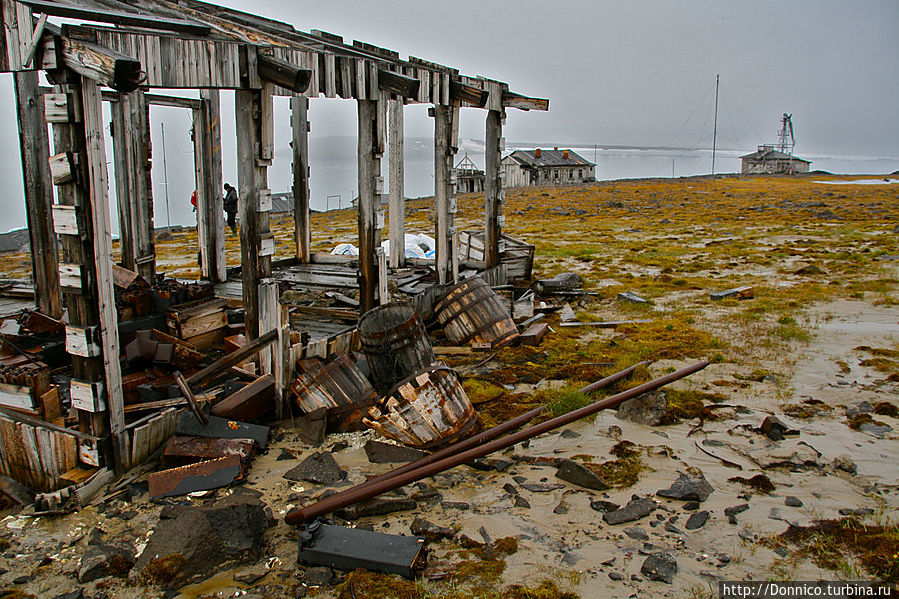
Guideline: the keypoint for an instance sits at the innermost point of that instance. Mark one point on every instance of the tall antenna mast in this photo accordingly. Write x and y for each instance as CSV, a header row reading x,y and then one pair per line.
x,y
715,129
165,178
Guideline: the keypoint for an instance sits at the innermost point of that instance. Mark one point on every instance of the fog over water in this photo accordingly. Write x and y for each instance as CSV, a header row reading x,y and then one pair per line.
x,y
637,79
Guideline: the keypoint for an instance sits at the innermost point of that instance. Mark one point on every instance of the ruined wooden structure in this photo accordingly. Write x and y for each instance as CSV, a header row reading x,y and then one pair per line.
x,y
118,53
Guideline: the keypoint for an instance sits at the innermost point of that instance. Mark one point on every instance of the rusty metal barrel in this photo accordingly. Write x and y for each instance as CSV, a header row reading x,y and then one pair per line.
x,y
395,342
426,410
471,312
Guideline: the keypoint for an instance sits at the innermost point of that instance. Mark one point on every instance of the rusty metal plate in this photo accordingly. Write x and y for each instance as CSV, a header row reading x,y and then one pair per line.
x,y
180,450
202,476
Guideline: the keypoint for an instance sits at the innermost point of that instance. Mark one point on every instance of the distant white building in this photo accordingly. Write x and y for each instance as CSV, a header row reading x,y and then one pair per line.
x,y
523,168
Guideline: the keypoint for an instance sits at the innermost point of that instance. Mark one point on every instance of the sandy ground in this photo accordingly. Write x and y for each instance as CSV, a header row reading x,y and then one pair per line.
x,y
576,549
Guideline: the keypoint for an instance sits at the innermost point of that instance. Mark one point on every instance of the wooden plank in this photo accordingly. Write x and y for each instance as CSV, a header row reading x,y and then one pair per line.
x,y
65,220
443,194
35,151
15,396
124,178
101,64
493,187
102,245
513,100
299,123
250,402
72,278
208,165
369,235
534,334
153,21
61,168
396,164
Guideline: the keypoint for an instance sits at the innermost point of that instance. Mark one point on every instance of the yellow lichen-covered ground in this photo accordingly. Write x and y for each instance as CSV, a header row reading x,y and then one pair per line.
x,y
820,334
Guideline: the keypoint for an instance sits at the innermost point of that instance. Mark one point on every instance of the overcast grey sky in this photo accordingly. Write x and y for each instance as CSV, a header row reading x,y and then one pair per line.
x,y
618,72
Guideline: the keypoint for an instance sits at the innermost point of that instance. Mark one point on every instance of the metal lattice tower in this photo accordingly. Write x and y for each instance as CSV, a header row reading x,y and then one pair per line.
x,y
785,139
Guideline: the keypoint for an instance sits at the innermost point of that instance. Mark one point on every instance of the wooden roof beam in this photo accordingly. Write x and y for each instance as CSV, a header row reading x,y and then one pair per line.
x,y
93,61
283,73
468,93
159,100
72,11
513,100
404,86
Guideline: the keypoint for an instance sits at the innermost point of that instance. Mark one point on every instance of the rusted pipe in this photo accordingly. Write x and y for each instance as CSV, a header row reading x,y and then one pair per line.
x,y
355,495
494,432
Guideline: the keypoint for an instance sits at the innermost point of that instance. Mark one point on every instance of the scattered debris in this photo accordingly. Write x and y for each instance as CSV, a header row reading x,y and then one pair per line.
x,y
379,452
773,428
740,293
566,281
201,476
630,296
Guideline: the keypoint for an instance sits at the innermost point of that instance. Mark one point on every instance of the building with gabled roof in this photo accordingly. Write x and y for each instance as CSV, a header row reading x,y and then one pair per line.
x,y
523,168
768,161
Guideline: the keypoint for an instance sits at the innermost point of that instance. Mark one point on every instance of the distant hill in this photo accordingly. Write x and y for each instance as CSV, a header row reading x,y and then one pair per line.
x,y
14,241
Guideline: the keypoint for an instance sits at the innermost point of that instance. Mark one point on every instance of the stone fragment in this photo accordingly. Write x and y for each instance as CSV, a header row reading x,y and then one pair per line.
x,y
661,567
688,488
430,531
637,533
697,520
320,468
635,509
791,501
375,507
649,408
578,474
388,453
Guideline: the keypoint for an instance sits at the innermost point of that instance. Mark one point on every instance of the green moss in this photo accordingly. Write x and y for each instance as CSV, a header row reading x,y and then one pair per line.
x,y
164,570
688,404
619,474
479,391
546,590
362,583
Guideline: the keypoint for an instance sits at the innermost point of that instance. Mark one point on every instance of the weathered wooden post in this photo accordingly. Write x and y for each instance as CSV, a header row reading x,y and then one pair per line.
x,y
445,123
35,148
397,185
255,148
299,122
370,216
207,134
82,220
142,156
493,183
124,176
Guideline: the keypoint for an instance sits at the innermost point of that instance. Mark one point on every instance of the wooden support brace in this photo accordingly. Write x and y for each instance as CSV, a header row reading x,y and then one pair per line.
x,y
283,73
396,167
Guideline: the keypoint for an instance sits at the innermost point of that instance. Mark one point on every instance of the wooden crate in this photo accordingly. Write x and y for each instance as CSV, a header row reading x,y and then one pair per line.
x,y
202,323
517,255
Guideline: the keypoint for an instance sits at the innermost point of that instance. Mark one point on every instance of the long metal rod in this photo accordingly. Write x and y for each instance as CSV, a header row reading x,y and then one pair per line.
x,y
715,128
354,495
494,432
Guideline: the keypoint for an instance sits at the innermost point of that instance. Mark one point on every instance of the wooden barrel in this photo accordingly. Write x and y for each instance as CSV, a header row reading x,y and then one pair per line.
x,y
471,312
395,342
335,384
426,410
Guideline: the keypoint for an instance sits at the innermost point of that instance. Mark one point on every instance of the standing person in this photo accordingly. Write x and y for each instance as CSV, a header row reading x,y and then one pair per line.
x,y
193,200
230,205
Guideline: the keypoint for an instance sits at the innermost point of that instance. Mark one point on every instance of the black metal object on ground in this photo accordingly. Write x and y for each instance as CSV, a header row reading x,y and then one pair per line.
x,y
350,548
222,427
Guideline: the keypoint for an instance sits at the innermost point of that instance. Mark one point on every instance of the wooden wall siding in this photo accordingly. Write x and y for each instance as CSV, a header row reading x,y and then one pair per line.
x,y
176,62
35,456
150,436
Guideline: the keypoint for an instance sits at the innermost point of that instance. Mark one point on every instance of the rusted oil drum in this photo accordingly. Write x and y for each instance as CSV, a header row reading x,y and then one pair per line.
x,y
395,342
337,385
426,410
471,312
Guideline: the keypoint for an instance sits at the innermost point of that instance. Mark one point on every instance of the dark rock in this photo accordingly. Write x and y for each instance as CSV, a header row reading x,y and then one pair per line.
x,y
569,434
773,428
669,527
578,474
388,453
520,479
637,533
697,520
635,578
430,531
723,558
635,509
24,579
76,594
339,446
615,576
541,487
791,501
562,508
510,489
860,511
319,576
688,488
95,537
375,507
844,463
202,540
286,455
521,502
454,505
691,506
601,505
660,566
251,576
648,548
731,512
649,408
873,428
318,468
104,560
427,495
127,514
488,464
